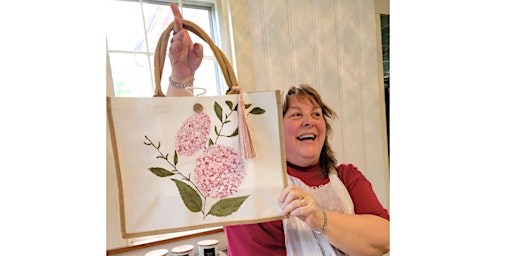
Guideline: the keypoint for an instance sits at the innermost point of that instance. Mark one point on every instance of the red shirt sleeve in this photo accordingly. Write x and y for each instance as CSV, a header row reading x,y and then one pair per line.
x,y
361,191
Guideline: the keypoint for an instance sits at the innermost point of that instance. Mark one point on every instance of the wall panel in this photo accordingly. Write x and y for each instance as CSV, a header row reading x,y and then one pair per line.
x,y
332,46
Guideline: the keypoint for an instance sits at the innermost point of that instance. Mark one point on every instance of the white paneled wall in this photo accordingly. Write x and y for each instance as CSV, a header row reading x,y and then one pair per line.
x,y
331,45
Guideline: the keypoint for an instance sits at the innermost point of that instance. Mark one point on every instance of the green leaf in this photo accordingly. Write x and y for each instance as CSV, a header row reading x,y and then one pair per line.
x,y
210,142
225,207
216,131
175,160
189,195
230,104
160,172
218,110
235,133
257,111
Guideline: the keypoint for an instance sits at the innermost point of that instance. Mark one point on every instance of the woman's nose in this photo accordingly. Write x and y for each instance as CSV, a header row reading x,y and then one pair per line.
x,y
307,121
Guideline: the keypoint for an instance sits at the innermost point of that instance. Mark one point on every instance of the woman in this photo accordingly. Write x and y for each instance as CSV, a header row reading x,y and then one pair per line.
x,y
331,210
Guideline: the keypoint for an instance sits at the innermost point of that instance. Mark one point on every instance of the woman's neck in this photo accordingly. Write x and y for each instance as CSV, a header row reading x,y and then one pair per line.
x,y
310,175
303,168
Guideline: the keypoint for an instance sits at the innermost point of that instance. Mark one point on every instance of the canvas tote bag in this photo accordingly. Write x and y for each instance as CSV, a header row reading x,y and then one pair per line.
x,y
179,161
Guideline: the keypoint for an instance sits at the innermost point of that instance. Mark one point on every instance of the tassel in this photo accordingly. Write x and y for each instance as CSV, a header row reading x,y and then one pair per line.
x,y
247,149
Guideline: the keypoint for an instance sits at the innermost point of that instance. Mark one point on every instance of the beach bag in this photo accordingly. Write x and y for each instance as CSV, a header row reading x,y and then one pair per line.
x,y
185,163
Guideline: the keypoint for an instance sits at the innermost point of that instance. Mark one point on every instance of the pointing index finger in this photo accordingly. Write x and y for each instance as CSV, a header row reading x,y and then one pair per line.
x,y
178,25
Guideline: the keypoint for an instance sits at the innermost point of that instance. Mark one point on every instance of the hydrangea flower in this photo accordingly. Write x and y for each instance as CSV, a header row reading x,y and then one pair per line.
x,y
219,172
193,134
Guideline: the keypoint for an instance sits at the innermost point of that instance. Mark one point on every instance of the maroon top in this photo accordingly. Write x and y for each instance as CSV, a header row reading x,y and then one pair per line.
x,y
267,238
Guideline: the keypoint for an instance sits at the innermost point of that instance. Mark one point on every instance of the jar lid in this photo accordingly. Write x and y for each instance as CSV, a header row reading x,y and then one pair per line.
x,y
159,252
183,248
208,242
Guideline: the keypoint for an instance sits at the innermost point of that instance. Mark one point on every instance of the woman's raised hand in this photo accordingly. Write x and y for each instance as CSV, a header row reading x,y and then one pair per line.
x,y
184,55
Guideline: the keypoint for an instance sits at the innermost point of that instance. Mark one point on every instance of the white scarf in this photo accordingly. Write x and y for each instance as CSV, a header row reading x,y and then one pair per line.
x,y
300,239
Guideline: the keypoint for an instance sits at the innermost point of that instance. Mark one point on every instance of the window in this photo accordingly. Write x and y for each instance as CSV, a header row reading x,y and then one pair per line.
x,y
133,30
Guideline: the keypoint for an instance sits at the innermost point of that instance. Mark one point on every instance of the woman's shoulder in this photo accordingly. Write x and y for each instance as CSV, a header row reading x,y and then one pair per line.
x,y
348,171
361,191
351,176
347,166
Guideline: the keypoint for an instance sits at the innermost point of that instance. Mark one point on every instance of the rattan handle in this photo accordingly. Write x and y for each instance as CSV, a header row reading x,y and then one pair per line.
x,y
161,49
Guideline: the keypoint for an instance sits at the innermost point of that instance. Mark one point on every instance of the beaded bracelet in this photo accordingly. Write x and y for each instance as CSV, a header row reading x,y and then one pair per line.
x,y
324,226
176,84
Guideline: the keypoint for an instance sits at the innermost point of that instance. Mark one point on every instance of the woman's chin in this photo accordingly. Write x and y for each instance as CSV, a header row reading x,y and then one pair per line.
x,y
303,160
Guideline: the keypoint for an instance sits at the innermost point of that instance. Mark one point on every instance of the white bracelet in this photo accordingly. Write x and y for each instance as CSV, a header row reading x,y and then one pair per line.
x,y
324,226
175,84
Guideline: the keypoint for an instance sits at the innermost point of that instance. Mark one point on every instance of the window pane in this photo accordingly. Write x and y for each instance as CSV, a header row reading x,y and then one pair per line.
x,y
158,17
125,29
131,75
206,78
201,17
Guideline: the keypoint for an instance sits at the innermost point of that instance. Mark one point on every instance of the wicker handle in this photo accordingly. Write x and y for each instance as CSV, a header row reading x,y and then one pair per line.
x,y
161,49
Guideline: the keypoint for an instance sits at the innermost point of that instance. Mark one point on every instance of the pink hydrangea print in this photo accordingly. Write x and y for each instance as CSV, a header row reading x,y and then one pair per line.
x,y
193,134
219,172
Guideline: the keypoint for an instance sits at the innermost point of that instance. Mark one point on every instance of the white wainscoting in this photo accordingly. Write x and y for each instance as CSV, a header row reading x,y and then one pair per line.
x,y
331,45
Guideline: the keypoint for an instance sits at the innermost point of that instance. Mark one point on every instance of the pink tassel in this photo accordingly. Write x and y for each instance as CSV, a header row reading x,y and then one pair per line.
x,y
247,149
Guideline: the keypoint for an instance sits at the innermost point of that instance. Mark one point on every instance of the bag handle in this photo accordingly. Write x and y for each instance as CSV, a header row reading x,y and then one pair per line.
x,y
161,49
246,138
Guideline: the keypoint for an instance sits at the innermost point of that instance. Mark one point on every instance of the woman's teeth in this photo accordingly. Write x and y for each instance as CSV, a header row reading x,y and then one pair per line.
x,y
307,137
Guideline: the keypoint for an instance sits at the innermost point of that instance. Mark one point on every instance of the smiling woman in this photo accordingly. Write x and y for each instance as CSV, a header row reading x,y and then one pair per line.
x,y
306,128
339,59
304,115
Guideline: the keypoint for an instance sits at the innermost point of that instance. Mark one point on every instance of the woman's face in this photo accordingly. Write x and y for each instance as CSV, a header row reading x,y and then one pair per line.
x,y
304,131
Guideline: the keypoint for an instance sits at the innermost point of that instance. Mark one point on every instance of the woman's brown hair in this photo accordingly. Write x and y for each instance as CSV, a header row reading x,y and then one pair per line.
x,y
327,159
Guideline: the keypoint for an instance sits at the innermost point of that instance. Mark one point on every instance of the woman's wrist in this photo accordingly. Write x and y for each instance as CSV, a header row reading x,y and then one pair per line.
x,y
324,223
181,79
180,85
177,86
